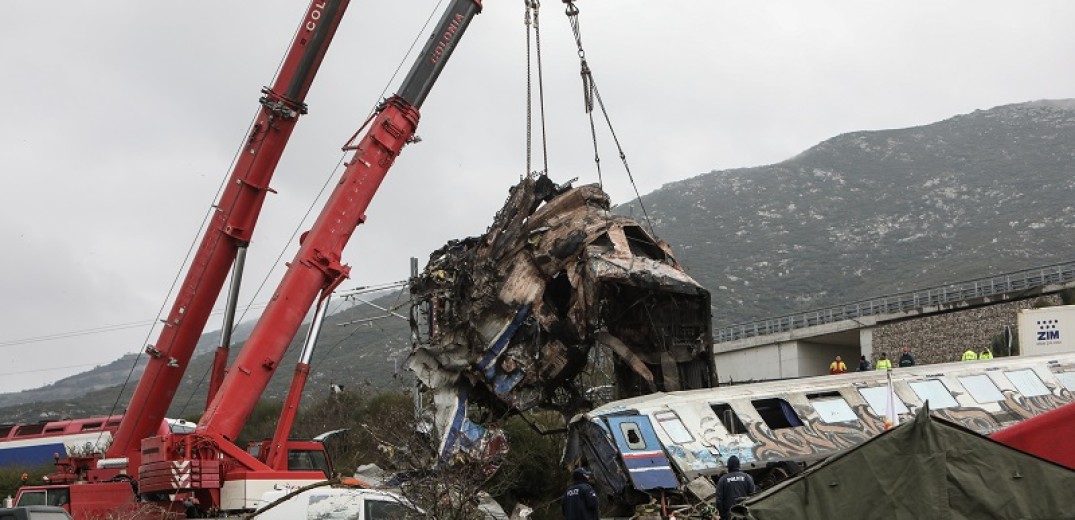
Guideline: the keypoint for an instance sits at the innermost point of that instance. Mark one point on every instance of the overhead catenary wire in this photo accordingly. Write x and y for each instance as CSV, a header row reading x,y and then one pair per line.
x,y
104,329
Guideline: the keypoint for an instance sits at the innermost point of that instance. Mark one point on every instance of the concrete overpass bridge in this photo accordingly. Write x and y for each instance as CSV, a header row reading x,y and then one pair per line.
x,y
804,344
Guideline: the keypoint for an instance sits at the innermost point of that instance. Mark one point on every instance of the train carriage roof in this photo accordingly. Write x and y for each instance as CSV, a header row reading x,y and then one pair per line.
x,y
833,382
927,468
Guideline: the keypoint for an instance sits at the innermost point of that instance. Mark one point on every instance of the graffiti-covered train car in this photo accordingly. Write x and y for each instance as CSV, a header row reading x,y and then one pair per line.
x,y
673,444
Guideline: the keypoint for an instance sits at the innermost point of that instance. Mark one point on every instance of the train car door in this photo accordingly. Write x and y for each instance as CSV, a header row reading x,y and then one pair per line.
x,y
642,453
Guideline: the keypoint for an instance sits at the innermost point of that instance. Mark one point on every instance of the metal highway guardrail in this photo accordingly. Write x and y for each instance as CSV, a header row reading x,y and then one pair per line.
x,y
902,302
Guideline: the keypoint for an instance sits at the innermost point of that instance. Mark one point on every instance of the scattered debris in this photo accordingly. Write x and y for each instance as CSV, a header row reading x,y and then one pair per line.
x,y
511,319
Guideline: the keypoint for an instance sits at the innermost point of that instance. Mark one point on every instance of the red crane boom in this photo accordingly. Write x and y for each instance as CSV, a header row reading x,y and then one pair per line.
x,y
204,472
317,268
231,228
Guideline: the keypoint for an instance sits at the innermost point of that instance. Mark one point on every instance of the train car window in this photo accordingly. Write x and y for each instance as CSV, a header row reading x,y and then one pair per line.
x,y
29,429
877,397
934,391
1066,378
981,388
632,435
5,430
91,426
383,510
777,413
1027,383
54,429
641,244
674,427
728,418
833,409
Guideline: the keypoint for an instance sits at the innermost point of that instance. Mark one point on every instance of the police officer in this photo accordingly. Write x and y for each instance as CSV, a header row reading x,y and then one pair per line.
x,y
580,500
732,488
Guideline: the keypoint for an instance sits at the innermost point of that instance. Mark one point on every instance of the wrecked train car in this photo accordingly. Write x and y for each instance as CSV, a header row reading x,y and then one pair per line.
x,y
674,445
509,320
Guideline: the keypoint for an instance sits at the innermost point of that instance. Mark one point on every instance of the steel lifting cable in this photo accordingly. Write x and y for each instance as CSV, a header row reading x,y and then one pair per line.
x,y
590,93
529,89
532,21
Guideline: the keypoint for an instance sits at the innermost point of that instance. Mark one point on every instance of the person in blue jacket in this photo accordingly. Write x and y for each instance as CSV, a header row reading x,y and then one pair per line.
x,y
580,500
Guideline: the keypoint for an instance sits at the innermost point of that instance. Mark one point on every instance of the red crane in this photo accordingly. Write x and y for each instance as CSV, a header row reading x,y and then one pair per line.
x,y
216,473
205,470
230,230
317,268
222,247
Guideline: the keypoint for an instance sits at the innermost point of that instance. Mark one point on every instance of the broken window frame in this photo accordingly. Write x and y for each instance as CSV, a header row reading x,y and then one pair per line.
x,y
727,416
777,413
642,245
631,429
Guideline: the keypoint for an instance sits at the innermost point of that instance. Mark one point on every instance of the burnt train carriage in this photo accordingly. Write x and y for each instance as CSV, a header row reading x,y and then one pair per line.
x,y
511,320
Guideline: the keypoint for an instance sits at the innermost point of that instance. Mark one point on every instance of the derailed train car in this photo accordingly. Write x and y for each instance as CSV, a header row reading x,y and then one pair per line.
x,y
672,445
509,320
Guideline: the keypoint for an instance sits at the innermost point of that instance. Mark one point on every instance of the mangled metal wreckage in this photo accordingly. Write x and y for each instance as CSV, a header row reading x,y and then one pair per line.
x,y
510,320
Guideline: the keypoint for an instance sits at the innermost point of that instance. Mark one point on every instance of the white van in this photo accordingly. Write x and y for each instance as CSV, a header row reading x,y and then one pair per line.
x,y
329,503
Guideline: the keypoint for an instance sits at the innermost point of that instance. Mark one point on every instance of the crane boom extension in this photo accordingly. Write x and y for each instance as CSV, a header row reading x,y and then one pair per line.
x,y
231,227
317,266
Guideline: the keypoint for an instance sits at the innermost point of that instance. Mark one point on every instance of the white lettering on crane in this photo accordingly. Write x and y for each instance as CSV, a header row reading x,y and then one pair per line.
x,y
315,15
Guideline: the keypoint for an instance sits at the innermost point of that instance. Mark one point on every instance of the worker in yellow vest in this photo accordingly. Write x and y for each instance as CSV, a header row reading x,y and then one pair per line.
x,y
970,355
986,354
883,363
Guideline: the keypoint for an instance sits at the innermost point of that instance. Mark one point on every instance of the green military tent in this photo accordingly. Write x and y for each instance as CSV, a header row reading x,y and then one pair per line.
x,y
926,469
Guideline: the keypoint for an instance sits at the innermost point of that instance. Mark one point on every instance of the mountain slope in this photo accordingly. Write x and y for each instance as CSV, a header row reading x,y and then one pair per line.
x,y
869,213
857,216
359,345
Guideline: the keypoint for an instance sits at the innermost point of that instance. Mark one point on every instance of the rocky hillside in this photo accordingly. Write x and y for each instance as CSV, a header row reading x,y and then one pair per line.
x,y
359,346
869,213
857,216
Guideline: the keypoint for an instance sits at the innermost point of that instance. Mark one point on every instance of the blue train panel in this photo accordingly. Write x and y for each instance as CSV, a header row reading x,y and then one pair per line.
x,y
642,453
31,455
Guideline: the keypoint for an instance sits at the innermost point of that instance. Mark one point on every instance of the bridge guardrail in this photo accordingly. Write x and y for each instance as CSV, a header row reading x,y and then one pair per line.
x,y
901,302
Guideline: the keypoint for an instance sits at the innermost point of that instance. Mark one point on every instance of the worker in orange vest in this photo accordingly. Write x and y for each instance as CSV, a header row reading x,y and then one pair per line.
x,y
837,366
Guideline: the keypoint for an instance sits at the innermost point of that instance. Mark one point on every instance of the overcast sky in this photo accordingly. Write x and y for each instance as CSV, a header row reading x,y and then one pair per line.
x,y
121,118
